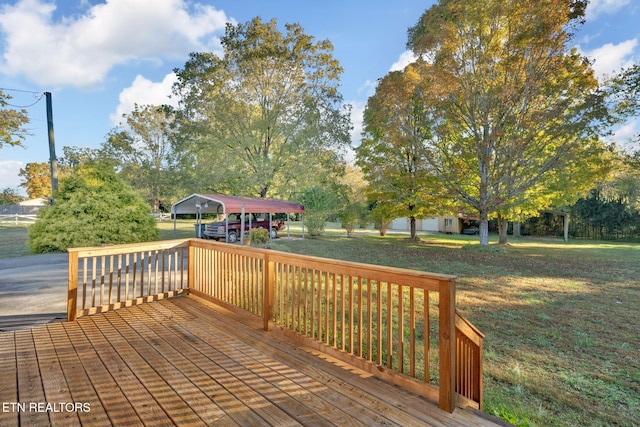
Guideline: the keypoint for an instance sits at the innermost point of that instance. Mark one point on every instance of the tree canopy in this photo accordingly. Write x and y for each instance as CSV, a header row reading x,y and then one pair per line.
x,y
12,122
396,122
9,196
513,109
624,94
37,179
141,147
261,118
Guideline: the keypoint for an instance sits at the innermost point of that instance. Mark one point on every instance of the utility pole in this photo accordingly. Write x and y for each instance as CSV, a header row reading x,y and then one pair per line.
x,y
52,148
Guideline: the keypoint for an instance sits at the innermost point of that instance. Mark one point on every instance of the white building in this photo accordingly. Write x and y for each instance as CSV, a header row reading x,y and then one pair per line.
x,y
402,224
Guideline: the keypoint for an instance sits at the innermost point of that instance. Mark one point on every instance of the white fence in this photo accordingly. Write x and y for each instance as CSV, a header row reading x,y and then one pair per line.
x,y
17,219
18,214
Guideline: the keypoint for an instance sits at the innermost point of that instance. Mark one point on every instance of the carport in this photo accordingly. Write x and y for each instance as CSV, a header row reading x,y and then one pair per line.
x,y
199,204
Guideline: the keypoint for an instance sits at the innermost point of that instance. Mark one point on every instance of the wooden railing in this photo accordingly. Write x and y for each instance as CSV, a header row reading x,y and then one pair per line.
x,y
111,277
397,324
468,363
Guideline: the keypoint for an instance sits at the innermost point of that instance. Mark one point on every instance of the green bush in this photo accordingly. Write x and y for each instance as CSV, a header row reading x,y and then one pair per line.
x,y
92,208
319,203
381,216
350,215
259,235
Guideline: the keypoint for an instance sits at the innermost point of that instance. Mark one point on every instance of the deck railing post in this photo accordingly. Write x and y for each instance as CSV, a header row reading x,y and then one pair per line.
x,y
447,320
72,293
268,281
191,267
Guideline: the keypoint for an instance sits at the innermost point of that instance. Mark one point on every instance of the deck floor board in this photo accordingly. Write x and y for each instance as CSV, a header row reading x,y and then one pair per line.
x,y
184,361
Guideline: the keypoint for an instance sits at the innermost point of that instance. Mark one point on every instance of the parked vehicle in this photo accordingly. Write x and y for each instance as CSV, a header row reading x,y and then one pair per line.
x,y
218,230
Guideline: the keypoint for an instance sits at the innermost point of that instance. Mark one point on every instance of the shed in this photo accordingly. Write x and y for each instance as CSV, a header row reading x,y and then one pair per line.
x,y
198,204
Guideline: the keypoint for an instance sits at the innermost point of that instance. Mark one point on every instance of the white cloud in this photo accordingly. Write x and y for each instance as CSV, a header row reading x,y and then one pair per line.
x,y
625,134
368,88
406,58
610,57
80,51
144,92
600,7
9,178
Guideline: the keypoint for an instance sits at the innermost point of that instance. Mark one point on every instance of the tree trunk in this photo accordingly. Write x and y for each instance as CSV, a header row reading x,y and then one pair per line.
x,y
484,228
413,228
517,229
503,226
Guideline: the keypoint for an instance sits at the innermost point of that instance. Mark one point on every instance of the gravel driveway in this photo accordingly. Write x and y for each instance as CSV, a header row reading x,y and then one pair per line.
x,y
33,290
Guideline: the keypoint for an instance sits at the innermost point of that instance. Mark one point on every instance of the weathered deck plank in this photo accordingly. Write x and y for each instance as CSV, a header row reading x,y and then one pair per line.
x,y
79,384
29,383
345,407
184,361
281,385
53,380
8,389
108,392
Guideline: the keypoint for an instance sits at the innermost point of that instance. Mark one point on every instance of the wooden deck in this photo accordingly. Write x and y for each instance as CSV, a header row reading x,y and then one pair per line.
x,y
184,361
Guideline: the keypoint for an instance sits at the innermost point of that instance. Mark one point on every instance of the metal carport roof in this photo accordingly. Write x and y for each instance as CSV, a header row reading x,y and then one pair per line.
x,y
200,204
220,204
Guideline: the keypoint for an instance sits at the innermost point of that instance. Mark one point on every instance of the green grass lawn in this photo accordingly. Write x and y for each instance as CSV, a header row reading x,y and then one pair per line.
x,y
13,240
561,320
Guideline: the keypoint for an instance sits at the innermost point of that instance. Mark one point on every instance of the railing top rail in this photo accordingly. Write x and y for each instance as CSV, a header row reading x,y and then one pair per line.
x,y
127,248
421,279
468,328
229,247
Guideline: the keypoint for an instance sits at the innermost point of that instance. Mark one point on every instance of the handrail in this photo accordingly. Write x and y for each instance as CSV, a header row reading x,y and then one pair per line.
x,y
110,277
469,341
398,324
373,317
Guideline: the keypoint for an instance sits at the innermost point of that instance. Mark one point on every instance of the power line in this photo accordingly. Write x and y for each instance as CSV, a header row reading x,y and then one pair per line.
x,y
20,90
26,106
3,89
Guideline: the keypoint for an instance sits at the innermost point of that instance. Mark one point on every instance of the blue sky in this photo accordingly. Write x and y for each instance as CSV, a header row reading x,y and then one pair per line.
x,y
98,58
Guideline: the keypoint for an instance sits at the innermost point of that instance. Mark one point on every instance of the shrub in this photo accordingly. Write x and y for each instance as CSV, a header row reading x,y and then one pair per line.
x,y
381,218
259,235
350,216
93,207
319,203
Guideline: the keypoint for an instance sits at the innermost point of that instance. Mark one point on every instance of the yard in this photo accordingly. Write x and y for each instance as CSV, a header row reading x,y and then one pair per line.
x,y
561,320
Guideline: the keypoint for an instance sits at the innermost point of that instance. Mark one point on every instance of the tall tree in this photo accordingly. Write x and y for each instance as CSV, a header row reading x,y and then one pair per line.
x,y
396,121
265,113
9,196
142,148
513,108
12,122
624,94
37,179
